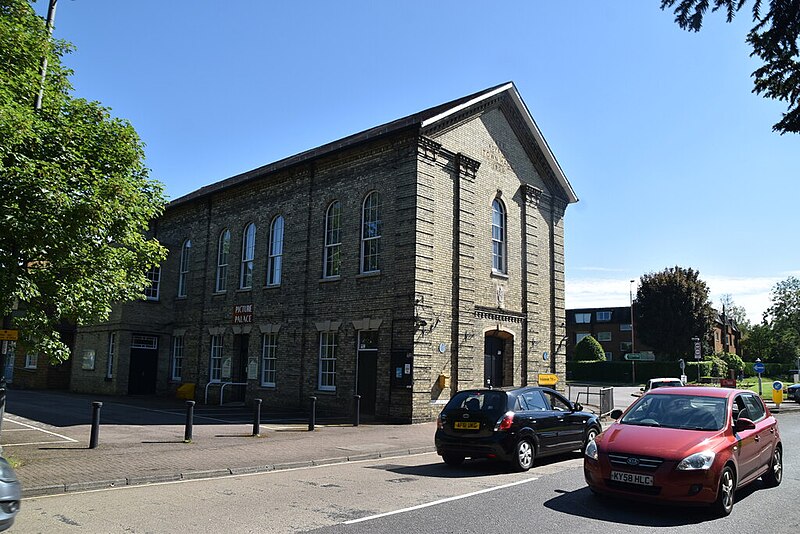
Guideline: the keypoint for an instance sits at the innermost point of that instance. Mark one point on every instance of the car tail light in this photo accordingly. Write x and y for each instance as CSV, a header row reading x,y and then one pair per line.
x,y
440,422
505,422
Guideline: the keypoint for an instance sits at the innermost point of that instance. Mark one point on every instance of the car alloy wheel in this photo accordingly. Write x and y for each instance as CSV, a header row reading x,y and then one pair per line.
x,y
726,492
590,435
774,476
523,455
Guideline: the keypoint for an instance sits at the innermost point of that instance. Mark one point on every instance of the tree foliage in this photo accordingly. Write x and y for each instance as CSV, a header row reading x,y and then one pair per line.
x,y
75,197
735,312
774,39
671,308
589,349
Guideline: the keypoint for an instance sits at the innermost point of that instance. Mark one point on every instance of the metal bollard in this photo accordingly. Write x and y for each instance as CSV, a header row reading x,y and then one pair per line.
x,y
187,435
313,418
257,418
95,436
357,414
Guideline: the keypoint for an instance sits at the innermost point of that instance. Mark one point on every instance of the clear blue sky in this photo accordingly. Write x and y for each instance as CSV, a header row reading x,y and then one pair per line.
x,y
672,157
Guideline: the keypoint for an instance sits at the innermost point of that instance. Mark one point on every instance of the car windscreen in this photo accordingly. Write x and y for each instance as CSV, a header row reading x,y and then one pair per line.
x,y
690,412
664,383
492,403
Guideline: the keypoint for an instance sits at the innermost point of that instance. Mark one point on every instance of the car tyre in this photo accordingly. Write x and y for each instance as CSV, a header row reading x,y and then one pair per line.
x,y
524,455
774,475
726,493
453,460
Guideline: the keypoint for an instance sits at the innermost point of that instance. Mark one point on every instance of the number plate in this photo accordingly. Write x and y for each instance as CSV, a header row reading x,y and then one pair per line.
x,y
632,478
466,425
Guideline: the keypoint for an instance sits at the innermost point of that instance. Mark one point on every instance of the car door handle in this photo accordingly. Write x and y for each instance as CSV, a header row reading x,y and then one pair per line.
x,y
757,437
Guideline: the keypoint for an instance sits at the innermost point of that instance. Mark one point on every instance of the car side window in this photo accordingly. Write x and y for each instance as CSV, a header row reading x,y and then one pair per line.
x,y
520,405
755,408
557,403
536,401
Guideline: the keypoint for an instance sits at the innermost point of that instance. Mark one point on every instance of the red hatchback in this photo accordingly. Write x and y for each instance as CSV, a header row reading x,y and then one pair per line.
x,y
687,445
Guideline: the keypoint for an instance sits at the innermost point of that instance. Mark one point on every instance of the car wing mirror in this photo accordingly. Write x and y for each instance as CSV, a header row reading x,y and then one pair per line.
x,y
577,407
615,414
743,424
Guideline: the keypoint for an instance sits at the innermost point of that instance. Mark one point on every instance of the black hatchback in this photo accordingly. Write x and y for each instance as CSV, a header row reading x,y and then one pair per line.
x,y
512,425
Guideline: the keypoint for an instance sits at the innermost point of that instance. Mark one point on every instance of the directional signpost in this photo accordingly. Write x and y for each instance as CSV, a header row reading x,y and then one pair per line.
x,y
758,367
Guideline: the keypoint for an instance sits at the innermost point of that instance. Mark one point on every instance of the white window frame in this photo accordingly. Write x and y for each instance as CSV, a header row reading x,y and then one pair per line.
x,y
625,346
176,365
603,316
328,348
275,252
332,263
223,253
248,256
31,360
371,231
215,359
580,335
499,238
604,336
609,356
141,341
152,292
112,352
625,327
269,352
183,272
583,317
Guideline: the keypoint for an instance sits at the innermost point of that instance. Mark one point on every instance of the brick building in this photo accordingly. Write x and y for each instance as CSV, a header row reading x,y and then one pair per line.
x,y
401,263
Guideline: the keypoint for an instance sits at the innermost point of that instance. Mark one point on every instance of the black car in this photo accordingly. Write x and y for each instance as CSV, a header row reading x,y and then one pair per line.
x,y
793,392
513,425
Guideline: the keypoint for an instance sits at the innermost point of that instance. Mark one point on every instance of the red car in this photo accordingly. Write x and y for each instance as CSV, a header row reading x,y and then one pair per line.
x,y
686,445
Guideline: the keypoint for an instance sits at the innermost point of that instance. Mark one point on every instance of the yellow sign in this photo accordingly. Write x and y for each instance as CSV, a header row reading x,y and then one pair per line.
x,y
548,380
9,335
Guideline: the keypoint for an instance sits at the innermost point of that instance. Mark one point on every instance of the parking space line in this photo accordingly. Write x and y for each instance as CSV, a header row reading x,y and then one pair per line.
x,y
66,439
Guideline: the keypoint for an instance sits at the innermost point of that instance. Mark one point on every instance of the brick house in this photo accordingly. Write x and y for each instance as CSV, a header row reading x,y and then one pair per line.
x,y
611,326
401,263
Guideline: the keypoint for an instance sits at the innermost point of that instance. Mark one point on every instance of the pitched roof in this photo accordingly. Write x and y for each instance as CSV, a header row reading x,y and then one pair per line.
x,y
418,120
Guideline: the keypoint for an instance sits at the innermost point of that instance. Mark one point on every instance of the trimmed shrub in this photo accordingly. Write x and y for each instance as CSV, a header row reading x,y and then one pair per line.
x,y
589,349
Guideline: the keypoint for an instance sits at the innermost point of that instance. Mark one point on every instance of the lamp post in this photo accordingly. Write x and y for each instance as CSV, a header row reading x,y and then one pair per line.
x,y
630,293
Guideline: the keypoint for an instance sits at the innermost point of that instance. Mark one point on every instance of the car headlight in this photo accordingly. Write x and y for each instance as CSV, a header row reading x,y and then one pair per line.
x,y
7,473
700,460
591,450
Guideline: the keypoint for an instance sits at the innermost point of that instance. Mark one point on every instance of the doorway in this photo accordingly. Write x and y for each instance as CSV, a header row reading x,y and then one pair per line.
x,y
241,344
367,376
493,361
143,369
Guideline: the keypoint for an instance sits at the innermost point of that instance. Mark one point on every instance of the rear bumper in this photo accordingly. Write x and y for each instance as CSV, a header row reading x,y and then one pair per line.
x,y
498,445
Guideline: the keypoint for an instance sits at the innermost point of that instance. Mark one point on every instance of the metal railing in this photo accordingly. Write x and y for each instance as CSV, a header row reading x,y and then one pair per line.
x,y
601,397
221,389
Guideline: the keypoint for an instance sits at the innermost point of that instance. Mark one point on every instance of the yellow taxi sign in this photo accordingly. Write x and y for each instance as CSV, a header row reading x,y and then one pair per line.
x,y
547,380
9,335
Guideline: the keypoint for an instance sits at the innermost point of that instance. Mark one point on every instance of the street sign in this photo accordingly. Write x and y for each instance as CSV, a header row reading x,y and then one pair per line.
x,y
758,367
9,335
547,380
640,357
777,385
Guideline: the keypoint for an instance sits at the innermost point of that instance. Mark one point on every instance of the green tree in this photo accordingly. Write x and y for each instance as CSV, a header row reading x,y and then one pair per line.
x,y
671,308
735,312
589,349
75,197
759,343
774,40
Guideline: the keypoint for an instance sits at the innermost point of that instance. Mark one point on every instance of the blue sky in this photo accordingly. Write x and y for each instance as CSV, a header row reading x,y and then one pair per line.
x,y
672,156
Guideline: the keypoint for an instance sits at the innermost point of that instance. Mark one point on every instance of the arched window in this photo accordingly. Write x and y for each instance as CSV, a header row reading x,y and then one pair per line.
x,y
248,253
223,248
499,261
184,267
275,260
371,227
333,240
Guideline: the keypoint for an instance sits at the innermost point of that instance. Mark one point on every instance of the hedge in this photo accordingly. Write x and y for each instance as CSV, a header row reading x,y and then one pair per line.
x,y
621,372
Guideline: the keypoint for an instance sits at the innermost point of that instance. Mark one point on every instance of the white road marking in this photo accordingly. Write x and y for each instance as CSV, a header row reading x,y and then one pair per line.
x,y
440,501
64,439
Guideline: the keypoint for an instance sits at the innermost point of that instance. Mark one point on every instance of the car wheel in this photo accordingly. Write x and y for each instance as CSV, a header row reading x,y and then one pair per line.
x,y
726,492
590,435
774,475
453,459
523,455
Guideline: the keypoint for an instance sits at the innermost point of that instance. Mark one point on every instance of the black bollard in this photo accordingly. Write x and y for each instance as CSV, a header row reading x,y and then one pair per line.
x,y
257,418
95,436
357,414
313,417
187,435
